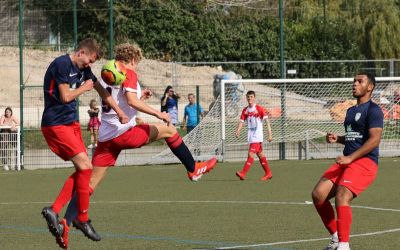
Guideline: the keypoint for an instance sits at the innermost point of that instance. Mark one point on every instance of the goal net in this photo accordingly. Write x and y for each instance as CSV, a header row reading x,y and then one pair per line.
x,y
301,112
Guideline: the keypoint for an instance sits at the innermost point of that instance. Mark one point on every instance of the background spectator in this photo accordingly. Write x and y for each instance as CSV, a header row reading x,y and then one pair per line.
x,y
169,104
94,123
8,138
190,120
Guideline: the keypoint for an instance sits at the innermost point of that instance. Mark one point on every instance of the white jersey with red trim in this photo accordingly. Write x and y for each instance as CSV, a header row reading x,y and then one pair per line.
x,y
110,126
254,116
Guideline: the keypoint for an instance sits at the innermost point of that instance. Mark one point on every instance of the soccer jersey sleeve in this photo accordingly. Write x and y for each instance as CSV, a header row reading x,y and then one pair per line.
x,y
375,117
61,72
130,83
243,116
262,112
88,74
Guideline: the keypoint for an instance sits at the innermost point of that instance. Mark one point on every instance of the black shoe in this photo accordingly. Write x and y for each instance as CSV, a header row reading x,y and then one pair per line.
x,y
88,230
52,221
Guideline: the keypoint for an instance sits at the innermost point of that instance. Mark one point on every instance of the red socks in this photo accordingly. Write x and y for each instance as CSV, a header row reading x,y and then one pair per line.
x,y
264,164
174,141
327,214
65,194
344,222
247,165
82,181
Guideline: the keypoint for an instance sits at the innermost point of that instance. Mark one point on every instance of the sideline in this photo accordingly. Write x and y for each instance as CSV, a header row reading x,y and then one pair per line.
x,y
206,201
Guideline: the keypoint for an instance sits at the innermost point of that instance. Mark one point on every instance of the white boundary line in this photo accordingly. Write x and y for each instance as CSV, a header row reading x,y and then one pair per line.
x,y
222,202
309,240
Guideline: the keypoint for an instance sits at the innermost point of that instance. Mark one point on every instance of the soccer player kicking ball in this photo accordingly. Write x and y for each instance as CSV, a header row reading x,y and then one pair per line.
x,y
66,78
356,169
115,137
254,114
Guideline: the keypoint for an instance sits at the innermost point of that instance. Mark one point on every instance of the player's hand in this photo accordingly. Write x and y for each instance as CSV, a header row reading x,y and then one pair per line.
x,y
123,119
88,85
164,116
237,134
146,94
344,160
331,138
270,138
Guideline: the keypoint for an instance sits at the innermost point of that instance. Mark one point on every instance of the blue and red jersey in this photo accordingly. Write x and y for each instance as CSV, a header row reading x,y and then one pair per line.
x,y
62,71
359,119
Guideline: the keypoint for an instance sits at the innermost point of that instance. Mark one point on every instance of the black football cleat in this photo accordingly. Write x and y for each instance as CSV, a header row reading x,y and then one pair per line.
x,y
88,230
52,221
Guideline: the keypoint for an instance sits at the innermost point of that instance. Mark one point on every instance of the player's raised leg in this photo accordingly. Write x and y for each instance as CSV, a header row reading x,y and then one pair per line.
x,y
174,141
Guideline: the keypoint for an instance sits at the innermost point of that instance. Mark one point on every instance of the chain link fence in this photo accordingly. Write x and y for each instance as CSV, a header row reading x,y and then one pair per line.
x,y
42,43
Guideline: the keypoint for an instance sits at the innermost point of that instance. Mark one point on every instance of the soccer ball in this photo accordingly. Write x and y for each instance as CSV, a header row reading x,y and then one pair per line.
x,y
113,72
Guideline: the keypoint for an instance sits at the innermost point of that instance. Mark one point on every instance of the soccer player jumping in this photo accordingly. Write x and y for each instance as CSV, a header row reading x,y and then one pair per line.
x,y
356,169
66,78
115,137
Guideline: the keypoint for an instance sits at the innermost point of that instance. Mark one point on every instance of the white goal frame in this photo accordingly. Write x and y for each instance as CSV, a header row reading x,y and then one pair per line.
x,y
284,82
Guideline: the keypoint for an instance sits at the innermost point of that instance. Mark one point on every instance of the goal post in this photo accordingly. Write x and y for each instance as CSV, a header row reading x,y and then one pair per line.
x,y
301,112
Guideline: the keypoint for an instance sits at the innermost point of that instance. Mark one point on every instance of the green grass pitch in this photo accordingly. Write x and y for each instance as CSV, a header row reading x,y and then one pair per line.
x,y
157,207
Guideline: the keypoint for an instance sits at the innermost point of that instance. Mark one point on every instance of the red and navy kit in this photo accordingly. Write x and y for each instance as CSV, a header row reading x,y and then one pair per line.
x,y
359,174
62,71
359,119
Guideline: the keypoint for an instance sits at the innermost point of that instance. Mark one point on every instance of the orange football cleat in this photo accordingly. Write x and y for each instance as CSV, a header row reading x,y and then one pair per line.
x,y
64,230
202,168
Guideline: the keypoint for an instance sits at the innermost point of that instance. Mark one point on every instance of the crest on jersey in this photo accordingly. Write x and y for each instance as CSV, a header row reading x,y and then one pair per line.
x,y
358,116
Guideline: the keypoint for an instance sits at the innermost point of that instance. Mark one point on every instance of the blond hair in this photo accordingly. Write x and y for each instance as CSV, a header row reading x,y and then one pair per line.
x,y
126,52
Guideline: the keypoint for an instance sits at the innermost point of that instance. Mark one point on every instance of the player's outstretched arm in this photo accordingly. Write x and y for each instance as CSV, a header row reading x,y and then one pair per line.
x,y
107,98
67,95
139,105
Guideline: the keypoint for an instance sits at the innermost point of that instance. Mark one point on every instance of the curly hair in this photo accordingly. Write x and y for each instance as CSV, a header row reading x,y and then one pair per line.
x,y
126,52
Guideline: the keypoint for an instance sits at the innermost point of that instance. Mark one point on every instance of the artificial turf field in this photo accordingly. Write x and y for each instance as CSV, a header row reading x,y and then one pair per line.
x,y
157,207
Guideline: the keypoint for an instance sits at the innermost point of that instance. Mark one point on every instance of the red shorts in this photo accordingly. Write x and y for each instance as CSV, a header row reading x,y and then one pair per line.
x,y
356,176
107,152
65,140
255,147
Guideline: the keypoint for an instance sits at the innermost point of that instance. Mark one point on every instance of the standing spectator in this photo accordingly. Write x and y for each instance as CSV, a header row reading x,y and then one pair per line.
x,y
356,169
8,138
66,78
94,123
254,114
169,104
190,120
